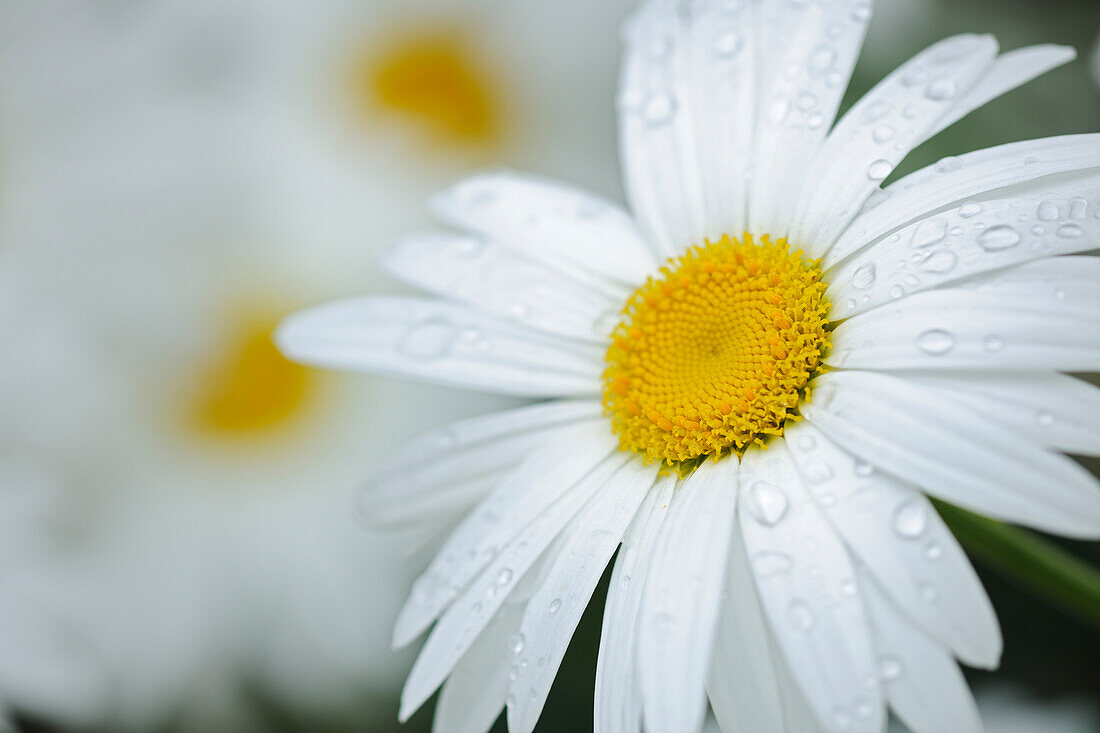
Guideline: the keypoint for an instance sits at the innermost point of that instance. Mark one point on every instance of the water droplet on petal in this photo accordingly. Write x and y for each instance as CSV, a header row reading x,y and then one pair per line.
x,y
970,209
1048,211
933,551
555,605
993,343
883,133
800,616
939,262
659,108
771,564
935,341
504,576
910,520
1045,418
998,237
890,668
727,44
876,111
516,643
1069,231
821,60
817,471
928,592
878,170
940,90
777,111
430,339
769,503
864,276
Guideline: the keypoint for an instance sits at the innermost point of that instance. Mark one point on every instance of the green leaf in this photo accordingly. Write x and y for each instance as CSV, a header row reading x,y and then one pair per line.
x,y
1060,578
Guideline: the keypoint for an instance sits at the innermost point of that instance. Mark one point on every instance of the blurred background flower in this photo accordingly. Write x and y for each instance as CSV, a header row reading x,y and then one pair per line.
x,y
178,548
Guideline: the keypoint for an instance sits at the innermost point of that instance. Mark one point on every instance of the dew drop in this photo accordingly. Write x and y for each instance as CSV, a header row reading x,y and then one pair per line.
x,y
863,468
998,237
800,616
821,60
817,471
864,276
768,502
939,262
430,339
504,576
940,90
727,44
807,442
928,233
993,343
910,520
1069,231
933,551
771,564
659,109
555,605
1047,211
806,101
777,111
1045,418
815,120
935,341
970,209
883,133
890,668
516,643
861,12
878,170
876,111
896,291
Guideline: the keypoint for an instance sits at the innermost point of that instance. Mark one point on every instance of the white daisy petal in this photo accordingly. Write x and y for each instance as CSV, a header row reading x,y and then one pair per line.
x,y
426,477
923,683
618,703
808,587
1047,408
506,282
1009,71
742,688
879,130
546,220
555,609
471,611
804,68
897,534
440,342
474,694
952,181
964,241
662,163
954,453
565,468
682,598
968,329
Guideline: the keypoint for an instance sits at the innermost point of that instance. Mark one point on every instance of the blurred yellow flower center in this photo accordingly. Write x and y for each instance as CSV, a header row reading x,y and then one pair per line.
x,y
715,352
251,387
435,79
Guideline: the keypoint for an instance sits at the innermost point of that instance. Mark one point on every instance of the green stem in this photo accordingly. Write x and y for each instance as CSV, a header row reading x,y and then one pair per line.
x,y
1058,577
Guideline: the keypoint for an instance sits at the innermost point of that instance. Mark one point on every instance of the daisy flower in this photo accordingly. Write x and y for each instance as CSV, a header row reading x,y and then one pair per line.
x,y
752,380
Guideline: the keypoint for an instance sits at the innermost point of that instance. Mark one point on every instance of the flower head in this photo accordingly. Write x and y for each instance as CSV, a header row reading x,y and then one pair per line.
x,y
812,351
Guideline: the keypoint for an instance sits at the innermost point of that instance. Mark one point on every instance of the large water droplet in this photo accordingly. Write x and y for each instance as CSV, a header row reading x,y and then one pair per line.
x,y
430,339
939,262
910,520
864,276
769,503
935,341
1047,211
878,170
998,237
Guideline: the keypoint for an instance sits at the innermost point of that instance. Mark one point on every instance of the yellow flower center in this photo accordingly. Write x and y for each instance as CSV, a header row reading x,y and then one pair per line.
x,y
251,387
435,79
715,352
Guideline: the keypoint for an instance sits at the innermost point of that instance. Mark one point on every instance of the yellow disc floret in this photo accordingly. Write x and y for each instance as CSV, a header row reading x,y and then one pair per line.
x,y
715,352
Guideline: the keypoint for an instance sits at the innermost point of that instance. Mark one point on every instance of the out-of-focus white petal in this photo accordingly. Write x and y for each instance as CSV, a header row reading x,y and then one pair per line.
x,y
922,682
682,598
968,240
440,342
808,587
1047,408
893,530
474,694
742,687
954,453
471,611
555,609
565,227
952,181
618,704
1009,71
805,58
879,131
437,474
555,480
506,282
968,329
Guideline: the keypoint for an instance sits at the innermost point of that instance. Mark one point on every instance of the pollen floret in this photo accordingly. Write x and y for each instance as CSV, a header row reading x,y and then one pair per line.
x,y
714,353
